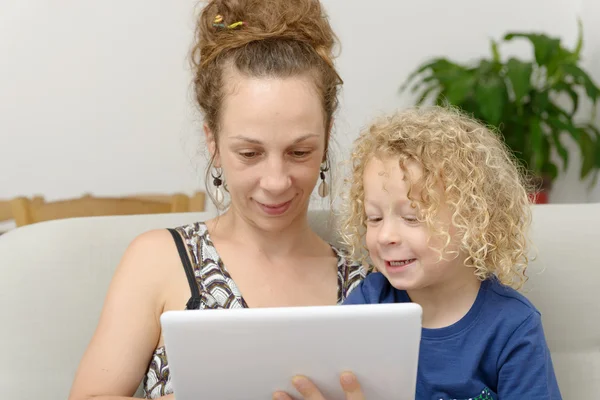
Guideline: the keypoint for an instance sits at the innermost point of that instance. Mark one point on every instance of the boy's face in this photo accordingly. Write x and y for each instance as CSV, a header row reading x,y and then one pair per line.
x,y
399,245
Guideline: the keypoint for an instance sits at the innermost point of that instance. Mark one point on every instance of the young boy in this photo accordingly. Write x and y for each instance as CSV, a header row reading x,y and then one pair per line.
x,y
443,210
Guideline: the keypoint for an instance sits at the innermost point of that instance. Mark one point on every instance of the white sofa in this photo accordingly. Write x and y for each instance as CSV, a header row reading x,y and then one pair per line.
x,y
53,278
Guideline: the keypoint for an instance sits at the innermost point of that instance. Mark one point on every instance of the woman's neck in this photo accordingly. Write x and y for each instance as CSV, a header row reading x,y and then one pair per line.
x,y
295,238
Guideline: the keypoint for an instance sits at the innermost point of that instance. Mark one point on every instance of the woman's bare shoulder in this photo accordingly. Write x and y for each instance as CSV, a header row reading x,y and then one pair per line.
x,y
152,255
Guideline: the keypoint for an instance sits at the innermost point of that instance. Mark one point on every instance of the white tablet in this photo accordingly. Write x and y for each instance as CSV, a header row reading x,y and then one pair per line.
x,y
238,354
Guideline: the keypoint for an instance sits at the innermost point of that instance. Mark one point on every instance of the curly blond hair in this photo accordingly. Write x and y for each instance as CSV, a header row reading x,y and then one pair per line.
x,y
483,186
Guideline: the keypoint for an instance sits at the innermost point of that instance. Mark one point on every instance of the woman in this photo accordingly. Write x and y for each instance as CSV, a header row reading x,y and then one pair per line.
x,y
266,84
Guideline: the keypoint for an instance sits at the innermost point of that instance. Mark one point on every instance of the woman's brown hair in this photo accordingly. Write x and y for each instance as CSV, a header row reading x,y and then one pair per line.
x,y
279,38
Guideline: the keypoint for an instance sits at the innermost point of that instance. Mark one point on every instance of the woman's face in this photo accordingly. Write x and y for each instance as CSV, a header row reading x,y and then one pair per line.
x,y
270,145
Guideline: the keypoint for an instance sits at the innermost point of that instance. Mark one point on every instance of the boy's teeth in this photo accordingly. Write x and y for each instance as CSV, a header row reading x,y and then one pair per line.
x,y
400,263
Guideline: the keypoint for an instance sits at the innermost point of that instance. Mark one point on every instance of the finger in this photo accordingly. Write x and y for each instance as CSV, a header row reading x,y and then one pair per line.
x,y
281,396
351,386
307,389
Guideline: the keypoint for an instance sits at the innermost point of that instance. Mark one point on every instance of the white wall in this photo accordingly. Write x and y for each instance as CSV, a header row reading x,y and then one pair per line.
x,y
591,19
95,96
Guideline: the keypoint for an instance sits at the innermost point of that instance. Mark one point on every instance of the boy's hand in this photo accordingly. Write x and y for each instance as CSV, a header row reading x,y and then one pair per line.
x,y
309,391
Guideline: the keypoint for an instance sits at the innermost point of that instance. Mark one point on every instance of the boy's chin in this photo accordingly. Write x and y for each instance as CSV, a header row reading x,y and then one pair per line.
x,y
403,282
400,285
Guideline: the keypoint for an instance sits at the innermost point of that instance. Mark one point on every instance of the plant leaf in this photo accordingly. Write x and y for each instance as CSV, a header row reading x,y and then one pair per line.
x,y
552,108
519,74
540,102
515,133
544,47
565,87
583,79
594,179
579,45
587,145
426,93
596,133
419,70
536,144
491,96
419,84
596,169
495,52
550,170
435,65
567,127
448,74
458,90
555,133
487,68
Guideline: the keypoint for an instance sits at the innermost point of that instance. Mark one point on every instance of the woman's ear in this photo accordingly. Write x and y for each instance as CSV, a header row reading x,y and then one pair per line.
x,y
328,139
211,143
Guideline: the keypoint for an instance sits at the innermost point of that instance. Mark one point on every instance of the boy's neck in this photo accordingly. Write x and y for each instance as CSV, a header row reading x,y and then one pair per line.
x,y
447,303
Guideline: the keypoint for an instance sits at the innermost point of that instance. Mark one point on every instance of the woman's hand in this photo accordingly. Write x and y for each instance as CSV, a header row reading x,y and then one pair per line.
x,y
309,391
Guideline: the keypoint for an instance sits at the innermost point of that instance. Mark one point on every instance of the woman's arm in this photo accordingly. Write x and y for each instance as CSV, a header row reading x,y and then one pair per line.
x,y
129,327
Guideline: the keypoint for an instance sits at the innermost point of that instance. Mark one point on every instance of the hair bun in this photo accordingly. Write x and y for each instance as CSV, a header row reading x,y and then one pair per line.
x,y
300,20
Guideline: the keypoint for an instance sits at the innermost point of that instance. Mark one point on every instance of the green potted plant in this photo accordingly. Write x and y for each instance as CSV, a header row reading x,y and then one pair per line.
x,y
524,100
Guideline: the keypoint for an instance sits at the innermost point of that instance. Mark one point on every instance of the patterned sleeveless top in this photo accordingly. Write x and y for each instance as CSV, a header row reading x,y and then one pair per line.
x,y
216,289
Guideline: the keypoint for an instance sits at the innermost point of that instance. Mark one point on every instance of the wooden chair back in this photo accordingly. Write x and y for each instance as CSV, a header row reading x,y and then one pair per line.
x,y
5,211
28,211
196,203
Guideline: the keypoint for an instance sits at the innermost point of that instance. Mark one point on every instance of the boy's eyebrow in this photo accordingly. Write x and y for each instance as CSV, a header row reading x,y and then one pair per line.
x,y
369,204
256,141
398,202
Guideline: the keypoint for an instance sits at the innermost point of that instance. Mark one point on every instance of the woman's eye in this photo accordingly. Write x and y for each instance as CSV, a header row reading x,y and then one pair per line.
x,y
411,220
249,154
300,153
374,219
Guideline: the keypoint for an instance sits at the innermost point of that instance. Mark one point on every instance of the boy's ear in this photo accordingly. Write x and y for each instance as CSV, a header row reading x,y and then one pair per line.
x,y
211,143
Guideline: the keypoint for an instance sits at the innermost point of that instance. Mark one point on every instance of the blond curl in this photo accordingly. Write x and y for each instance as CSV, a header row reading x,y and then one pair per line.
x,y
483,186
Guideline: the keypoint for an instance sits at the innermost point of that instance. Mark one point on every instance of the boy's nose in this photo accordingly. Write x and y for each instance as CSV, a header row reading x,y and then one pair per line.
x,y
389,233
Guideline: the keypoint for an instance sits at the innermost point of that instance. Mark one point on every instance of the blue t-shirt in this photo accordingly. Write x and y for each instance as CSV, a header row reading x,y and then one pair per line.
x,y
496,351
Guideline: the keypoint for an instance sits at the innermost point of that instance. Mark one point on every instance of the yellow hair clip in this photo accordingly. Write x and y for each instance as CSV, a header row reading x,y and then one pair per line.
x,y
236,24
218,23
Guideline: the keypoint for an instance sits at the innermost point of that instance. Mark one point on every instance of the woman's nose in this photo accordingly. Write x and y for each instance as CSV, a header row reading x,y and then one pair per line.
x,y
276,178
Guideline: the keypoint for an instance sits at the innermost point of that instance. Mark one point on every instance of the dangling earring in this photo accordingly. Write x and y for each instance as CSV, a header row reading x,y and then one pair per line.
x,y
217,174
324,187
